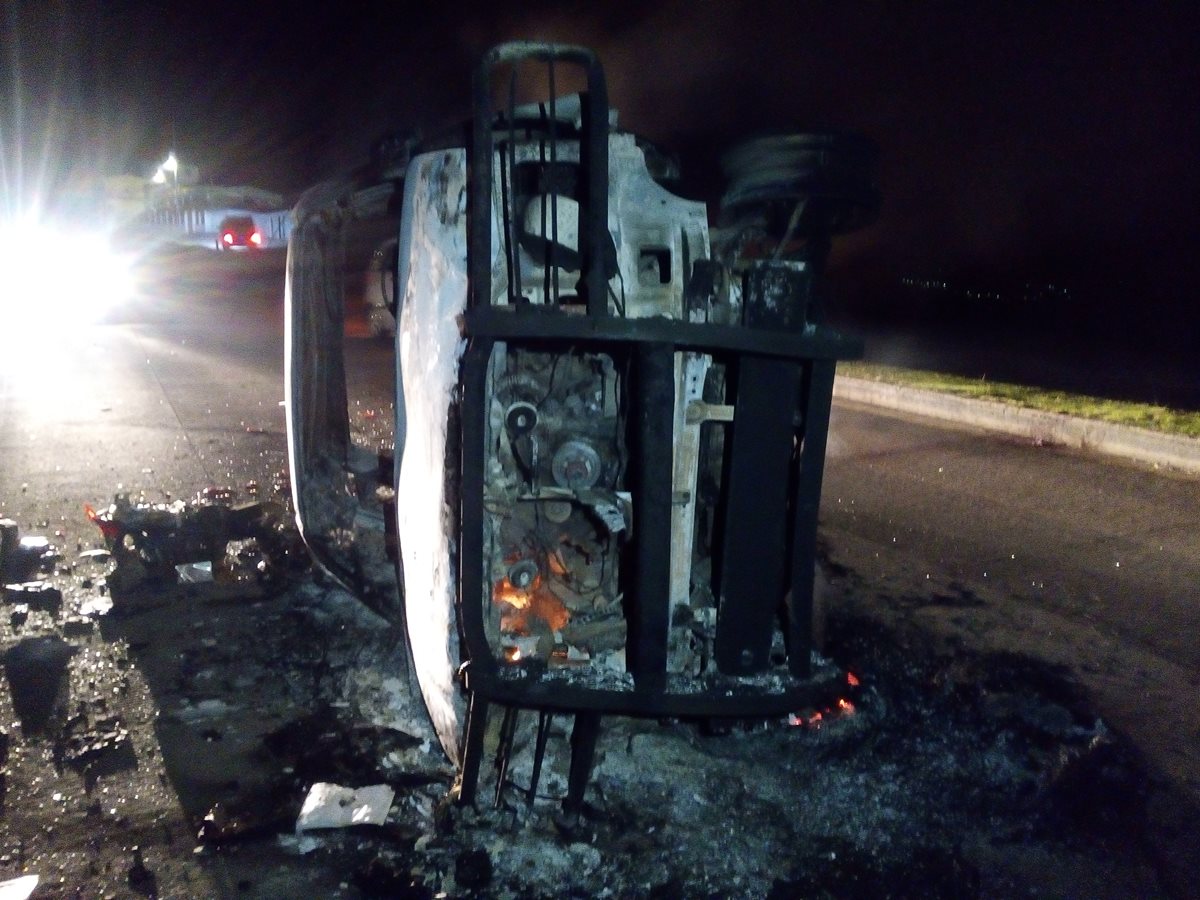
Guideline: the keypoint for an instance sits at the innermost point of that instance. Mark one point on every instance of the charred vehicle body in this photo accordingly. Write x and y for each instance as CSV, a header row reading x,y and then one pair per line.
x,y
610,417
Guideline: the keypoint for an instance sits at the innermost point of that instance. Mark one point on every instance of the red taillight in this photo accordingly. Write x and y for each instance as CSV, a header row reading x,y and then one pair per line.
x,y
255,238
227,237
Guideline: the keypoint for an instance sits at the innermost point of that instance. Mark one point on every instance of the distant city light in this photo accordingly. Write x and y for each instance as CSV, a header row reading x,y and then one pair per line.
x,y
1030,292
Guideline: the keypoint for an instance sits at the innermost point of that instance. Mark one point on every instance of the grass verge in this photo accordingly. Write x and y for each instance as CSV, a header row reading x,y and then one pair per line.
x,y
1120,412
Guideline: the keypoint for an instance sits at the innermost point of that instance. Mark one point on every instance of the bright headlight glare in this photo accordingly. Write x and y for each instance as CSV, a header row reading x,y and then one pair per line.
x,y
59,276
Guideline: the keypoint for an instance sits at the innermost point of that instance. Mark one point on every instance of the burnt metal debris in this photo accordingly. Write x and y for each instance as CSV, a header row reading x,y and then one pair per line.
x,y
610,418
170,542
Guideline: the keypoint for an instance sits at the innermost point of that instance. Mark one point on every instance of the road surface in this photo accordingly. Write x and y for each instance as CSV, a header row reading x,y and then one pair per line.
x,y
1113,544
1078,559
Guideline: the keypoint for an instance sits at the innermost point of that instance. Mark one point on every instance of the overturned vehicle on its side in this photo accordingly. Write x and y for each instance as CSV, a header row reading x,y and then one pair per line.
x,y
610,418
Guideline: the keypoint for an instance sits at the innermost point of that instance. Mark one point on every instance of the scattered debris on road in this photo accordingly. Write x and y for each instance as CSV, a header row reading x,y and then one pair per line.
x,y
208,539
170,749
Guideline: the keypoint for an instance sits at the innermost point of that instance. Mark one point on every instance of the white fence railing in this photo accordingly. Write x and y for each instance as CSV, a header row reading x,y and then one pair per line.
x,y
199,225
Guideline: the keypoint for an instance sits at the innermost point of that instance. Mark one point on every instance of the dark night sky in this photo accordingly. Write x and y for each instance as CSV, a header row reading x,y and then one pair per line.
x,y
1049,140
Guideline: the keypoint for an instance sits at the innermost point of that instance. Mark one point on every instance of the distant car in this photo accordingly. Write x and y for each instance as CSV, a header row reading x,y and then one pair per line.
x,y
238,233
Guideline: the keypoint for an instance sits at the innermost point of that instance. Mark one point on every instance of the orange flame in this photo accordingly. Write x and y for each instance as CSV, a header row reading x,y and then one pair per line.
x,y
852,679
536,602
504,591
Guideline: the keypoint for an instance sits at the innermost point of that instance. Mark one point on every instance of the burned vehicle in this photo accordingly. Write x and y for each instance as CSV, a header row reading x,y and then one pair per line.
x,y
610,417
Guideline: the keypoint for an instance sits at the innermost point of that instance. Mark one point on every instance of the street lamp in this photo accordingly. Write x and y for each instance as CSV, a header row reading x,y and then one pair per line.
x,y
172,165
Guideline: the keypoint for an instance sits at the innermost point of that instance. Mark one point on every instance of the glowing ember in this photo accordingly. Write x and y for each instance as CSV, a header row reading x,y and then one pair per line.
x,y
815,718
504,591
533,608
812,720
852,679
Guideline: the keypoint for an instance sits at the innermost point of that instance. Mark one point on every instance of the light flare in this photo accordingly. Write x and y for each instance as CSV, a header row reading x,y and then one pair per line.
x,y
59,276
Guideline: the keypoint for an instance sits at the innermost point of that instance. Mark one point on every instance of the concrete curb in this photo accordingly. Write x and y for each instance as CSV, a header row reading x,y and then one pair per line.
x,y
1138,444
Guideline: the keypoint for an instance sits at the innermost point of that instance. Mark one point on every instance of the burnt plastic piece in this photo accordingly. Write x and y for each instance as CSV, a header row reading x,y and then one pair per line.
x,y
776,295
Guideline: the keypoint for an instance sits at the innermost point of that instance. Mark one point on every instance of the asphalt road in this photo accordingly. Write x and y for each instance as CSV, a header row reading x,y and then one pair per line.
x,y
975,540
1116,545
1090,562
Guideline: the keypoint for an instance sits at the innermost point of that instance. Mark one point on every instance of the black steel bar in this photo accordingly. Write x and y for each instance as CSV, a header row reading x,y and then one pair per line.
x,y
583,751
553,132
594,157
716,698
818,393
512,249
471,562
754,550
539,753
472,754
479,164
648,607
504,747
548,269
552,324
